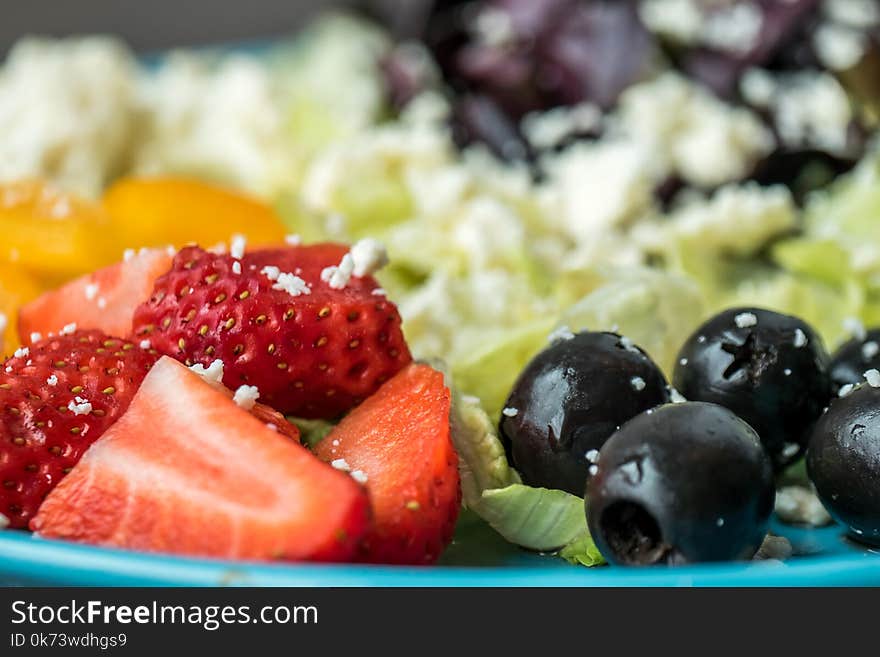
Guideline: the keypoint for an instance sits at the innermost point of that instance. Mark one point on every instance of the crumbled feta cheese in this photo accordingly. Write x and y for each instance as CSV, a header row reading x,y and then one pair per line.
x,y
212,374
338,276
379,292
36,336
683,361
291,284
8,369
359,476
628,344
592,455
676,397
494,27
873,378
510,412
272,426
861,14
787,371
271,272
734,28
638,383
855,328
870,349
838,47
68,329
52,381
800,505
237,246
549,129
560,334
341,464
246,396
746,320
146,344
21,352
593,469
470,400
91,291
368,256
293,240
800,339
128,254
790,449
680,20
846,390
719,522
236,267
80,406
813,110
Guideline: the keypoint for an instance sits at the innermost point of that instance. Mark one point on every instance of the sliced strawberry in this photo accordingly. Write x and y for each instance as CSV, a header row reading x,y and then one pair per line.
x,y
104,300
399,440
187,471
312,350
56,398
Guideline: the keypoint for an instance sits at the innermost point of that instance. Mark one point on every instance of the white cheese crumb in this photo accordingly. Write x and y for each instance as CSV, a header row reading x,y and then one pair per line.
x,y
787,371
628,344
746,320
800,339
855,328
271,272
638,383
91,291
379,292
790,449
846,390
359,476
369,256
560,334
873,378
80,406
146,344
237,246
52,381
36,336
335,443
68,329
236,267
341,464
545,130
246,396
676,397
470,399
291,284
8,369
683,362
870,349
338,276
719,522
21,352
213,374
510,412
272,426
839,48
128,254
800,505
592,455
593,469
293,240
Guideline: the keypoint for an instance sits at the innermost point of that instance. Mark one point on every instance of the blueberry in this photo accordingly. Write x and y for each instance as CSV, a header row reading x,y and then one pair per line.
x,y
683,483
853,359
843,462
567,402
768,368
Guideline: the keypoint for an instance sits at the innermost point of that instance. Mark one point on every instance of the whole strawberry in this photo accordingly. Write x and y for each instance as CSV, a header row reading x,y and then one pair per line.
x,y
306,325
56,399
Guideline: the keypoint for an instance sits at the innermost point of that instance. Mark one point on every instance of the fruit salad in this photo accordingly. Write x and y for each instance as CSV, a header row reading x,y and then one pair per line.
x,y
604,276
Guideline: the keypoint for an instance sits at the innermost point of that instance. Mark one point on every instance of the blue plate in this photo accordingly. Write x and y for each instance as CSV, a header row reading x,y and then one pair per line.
x,y
478,557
